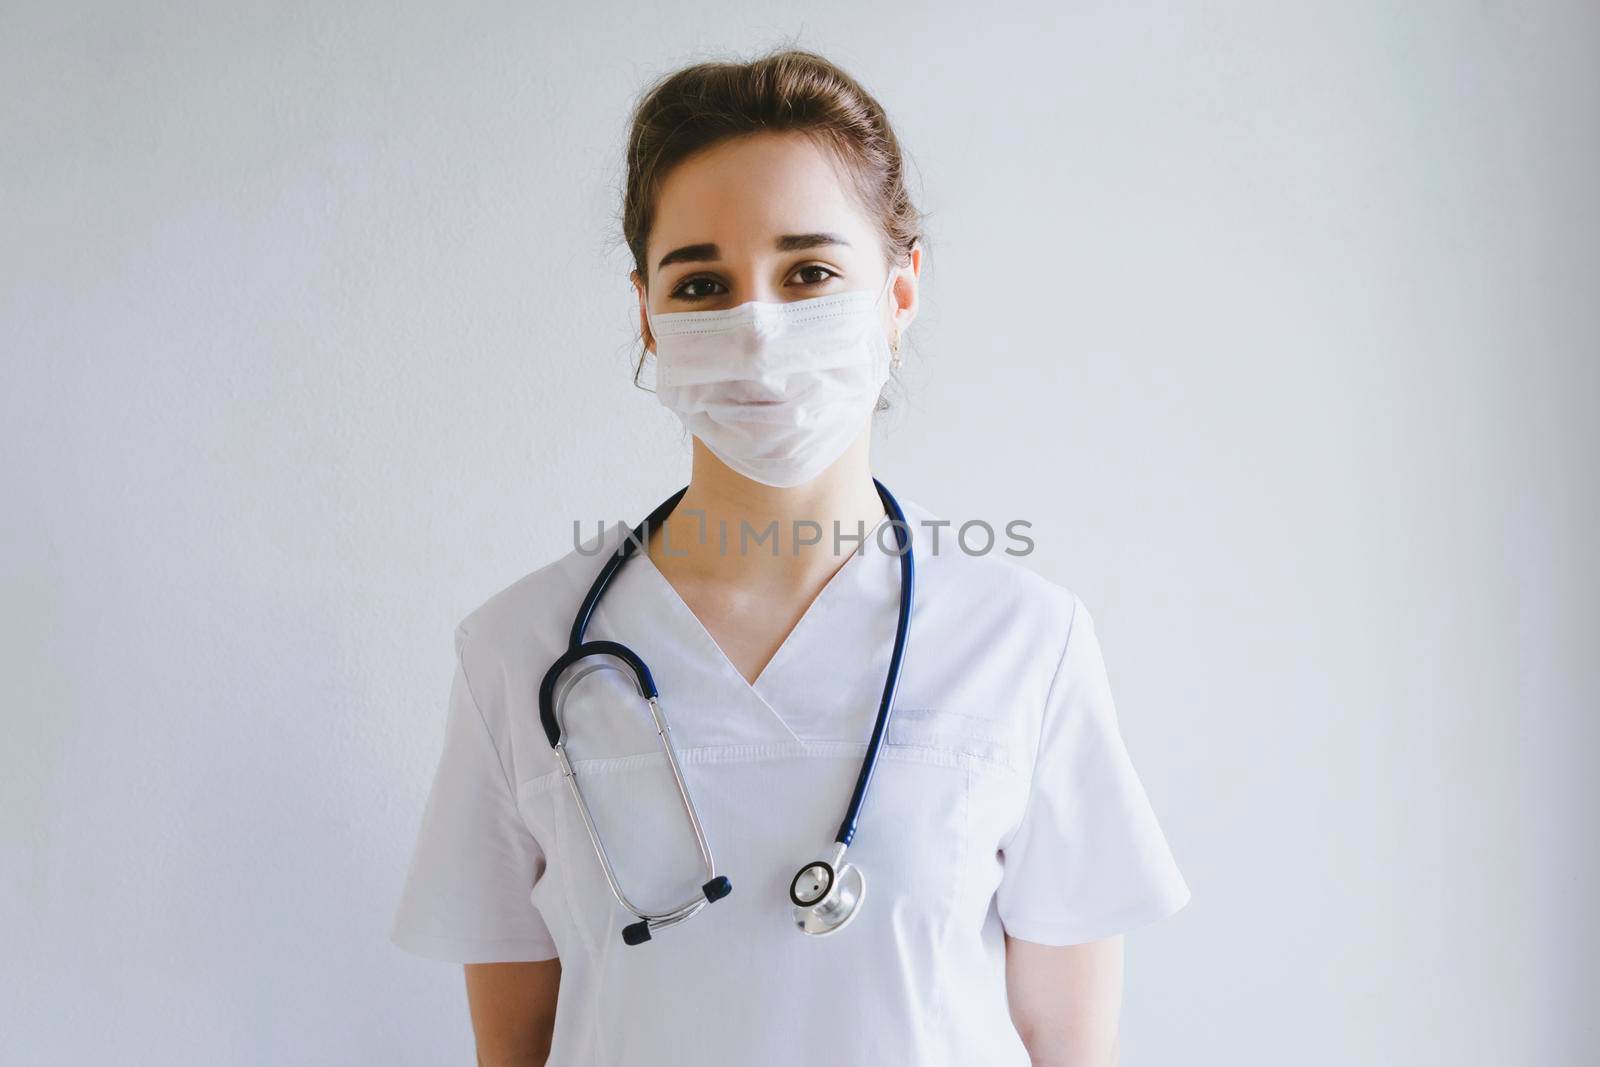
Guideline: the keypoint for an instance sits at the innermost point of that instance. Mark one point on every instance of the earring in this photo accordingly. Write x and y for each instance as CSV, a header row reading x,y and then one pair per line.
x,y
894,352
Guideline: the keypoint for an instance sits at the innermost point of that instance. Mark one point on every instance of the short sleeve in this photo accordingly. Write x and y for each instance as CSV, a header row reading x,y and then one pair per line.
x,y
1087,859
467,894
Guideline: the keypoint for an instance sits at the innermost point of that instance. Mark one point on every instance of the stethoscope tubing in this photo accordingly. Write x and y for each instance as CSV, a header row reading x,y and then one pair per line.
x,y
891,682
630,544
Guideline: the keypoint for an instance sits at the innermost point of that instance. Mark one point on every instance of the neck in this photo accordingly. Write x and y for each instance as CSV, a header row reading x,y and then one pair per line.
x,y
702,536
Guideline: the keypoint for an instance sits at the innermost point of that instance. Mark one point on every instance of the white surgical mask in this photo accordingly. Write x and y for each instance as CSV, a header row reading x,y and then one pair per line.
x,y
777,391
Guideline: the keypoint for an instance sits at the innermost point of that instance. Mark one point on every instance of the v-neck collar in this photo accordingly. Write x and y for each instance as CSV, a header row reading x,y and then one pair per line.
x,y
840,579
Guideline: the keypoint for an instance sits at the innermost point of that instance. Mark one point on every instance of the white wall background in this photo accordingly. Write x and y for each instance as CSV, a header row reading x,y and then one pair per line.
x,y
1279,321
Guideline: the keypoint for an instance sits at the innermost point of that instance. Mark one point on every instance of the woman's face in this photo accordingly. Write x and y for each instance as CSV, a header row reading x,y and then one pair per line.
x,y
762,217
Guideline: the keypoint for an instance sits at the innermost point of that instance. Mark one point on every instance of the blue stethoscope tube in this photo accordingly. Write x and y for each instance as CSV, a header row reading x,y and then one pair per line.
x,y
821,879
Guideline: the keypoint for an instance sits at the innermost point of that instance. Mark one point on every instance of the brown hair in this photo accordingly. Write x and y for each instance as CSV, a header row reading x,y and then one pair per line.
x,y
701,105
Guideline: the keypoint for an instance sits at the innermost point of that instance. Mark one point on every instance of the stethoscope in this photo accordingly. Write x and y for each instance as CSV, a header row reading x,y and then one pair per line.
x,y
826,893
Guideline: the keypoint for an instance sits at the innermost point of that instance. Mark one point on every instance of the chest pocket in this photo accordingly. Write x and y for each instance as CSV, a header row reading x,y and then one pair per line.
x,y
971,740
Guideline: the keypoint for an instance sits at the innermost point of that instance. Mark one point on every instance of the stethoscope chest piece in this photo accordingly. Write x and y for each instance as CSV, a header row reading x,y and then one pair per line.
x,y
827,894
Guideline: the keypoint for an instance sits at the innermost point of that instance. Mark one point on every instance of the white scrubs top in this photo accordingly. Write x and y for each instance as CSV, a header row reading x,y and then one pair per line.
x,y
1004,801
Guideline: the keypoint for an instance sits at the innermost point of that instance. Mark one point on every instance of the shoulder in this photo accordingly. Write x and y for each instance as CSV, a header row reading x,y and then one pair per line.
x,y
507,642
534,613
1007,636
977,570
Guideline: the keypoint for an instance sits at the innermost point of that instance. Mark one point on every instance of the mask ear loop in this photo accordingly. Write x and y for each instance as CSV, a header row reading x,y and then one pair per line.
x,y
651,326
882,403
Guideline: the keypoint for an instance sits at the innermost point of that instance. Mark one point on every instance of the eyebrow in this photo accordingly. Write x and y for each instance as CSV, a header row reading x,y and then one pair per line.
x,y
789,242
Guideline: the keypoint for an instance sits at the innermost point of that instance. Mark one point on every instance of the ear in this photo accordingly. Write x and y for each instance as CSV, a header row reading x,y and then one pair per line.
x,y
905,291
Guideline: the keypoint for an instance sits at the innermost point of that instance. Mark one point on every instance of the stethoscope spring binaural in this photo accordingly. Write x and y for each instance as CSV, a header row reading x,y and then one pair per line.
x,y
826,893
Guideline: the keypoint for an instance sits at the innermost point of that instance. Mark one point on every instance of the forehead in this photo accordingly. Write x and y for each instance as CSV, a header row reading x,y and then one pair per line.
x,y
742,193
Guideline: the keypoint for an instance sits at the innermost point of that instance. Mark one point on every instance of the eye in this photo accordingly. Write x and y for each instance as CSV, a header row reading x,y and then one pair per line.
x,y
690,288
812,272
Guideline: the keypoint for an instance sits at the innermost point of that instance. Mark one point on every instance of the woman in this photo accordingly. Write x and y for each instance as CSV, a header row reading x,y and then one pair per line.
x,y
1004,843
